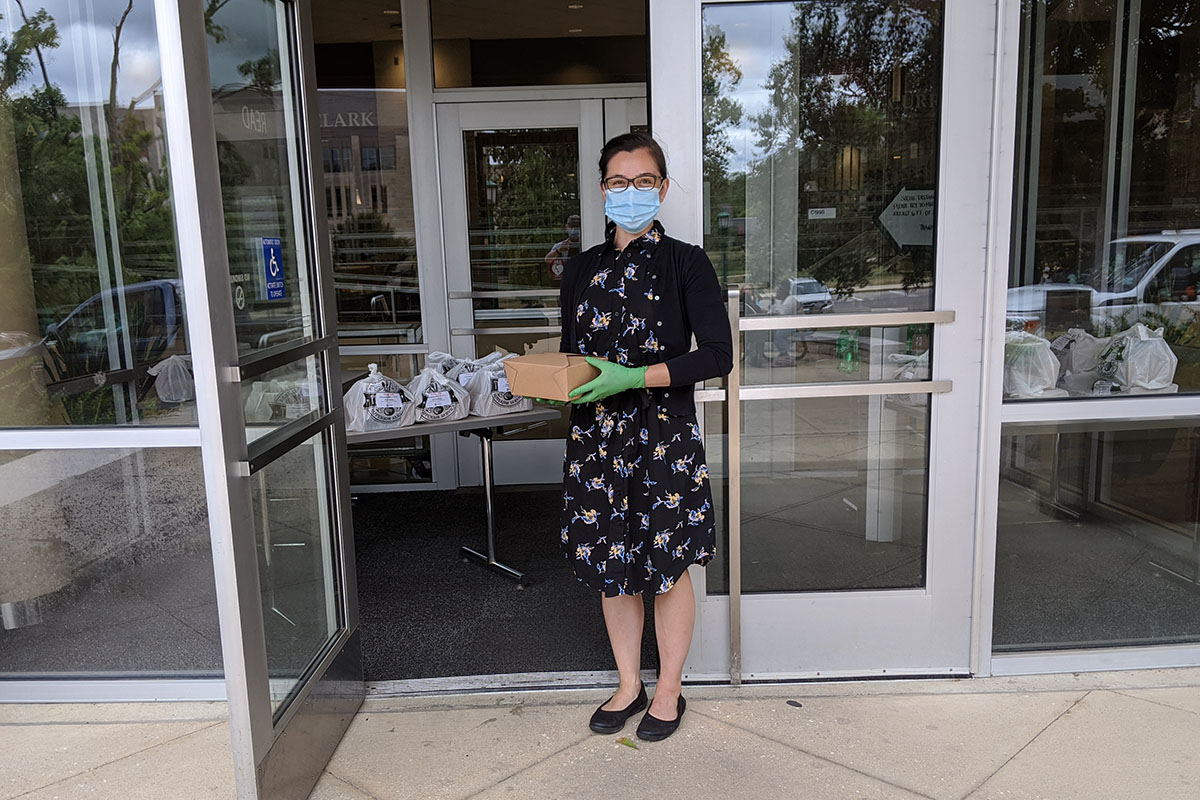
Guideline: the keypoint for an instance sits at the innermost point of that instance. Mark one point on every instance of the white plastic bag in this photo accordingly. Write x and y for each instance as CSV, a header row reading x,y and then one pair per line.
x,y
173,379
436,398
1138,358
443,362
465,368
376,403
1030,368
490,393
910,367
1078,351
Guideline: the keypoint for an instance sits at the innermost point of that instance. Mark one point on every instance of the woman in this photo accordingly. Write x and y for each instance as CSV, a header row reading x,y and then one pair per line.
x,y
637,507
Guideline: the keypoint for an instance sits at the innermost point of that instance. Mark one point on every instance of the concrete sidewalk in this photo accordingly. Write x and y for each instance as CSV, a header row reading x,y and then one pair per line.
x,y
1114,735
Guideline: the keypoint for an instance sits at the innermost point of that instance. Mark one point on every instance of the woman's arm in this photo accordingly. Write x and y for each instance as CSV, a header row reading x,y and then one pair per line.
x,y
704,307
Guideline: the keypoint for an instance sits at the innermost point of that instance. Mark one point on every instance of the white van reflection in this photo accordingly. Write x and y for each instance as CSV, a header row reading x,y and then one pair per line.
x,y
1151,279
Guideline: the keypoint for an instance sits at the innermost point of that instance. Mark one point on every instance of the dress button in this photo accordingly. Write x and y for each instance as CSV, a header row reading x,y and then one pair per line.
x,y
659,323
666,394
655,297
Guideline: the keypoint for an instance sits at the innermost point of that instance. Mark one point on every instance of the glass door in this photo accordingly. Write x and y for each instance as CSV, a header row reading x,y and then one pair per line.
x,y
834,201
260,292
519,199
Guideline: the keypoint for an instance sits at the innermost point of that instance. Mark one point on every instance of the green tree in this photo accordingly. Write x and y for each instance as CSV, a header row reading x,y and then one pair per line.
x,y
837,103
56,201
536,190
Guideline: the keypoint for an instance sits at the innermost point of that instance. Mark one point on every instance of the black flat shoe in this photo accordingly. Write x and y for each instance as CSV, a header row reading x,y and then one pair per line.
x,y
612,721
653,729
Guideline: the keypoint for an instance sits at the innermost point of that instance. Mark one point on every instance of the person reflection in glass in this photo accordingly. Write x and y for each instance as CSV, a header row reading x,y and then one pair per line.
x,y
556,259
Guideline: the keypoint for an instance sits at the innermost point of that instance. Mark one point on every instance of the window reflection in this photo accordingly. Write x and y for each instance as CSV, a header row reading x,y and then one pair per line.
x,y
92,301
1097,536
105,564
820,149
1107,239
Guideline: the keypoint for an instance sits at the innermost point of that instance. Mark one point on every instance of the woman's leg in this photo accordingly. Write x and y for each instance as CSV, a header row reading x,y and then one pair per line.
x,y
674,619
624,616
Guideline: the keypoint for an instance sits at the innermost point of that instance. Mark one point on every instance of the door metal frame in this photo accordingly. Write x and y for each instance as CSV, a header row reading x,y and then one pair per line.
x,y
268,760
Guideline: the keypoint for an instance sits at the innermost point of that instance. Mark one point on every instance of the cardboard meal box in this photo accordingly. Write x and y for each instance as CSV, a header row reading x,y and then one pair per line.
x,y
550,376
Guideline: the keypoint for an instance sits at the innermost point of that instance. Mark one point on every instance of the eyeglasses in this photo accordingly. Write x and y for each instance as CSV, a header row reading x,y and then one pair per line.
x,y
619,183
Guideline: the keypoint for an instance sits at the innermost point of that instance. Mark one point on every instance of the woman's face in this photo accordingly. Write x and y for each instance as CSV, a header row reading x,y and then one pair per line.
x,y
635,163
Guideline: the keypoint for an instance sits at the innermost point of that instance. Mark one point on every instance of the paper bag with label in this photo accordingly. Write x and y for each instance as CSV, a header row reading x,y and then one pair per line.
x,y
550,376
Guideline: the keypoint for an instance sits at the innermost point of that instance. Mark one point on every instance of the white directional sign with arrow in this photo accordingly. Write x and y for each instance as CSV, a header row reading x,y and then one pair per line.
x,y
908,219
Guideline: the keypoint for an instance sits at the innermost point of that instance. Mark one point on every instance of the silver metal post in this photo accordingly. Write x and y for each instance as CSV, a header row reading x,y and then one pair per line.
x,y
489,560
485,442
733,472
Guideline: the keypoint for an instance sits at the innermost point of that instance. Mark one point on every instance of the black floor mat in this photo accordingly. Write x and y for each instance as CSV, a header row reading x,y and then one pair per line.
x,y
428,613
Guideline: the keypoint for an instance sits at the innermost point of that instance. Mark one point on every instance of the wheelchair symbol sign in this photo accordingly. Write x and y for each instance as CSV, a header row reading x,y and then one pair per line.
x,y
272,250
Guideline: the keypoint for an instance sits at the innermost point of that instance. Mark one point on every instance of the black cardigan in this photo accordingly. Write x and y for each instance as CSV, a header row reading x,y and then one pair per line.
x,y
692,303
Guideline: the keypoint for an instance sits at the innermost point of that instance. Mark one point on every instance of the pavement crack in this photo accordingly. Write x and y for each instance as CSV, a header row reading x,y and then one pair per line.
x,y
811,754
116,760
351,784
528,767
1125,693
1023,747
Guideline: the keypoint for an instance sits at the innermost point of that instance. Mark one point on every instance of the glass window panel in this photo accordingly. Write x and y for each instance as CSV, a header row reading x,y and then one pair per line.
x,y
481,43
296,563
1107,224
834,493
284,394
373,232
820,148
798,355
92,299
523,224
254,107
522,213
105,564
1096,541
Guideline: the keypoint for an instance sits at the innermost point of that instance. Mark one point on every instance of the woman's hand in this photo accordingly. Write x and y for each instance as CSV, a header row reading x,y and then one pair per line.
x,y
613,379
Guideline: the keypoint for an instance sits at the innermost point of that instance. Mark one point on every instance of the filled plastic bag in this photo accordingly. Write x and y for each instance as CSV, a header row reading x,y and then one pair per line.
x,y
910,367
465,368
490,394
377,403
444,363
1138,358
436,398
1030,368
1078,351
173,381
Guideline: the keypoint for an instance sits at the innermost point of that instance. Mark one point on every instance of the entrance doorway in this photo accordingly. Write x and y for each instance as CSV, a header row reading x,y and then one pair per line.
x,y
518,199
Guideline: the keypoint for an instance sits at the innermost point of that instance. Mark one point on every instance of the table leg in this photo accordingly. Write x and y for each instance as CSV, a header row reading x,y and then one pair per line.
x,y
489,481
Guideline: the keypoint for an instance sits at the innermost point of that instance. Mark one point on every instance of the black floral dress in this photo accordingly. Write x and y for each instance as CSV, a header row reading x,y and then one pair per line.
x,y
637,506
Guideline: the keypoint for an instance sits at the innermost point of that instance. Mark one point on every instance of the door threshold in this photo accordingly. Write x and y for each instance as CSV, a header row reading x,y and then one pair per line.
x,y
510,682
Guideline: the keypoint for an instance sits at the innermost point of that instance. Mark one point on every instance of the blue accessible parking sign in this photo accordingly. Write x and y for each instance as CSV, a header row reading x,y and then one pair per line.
x,y
272,249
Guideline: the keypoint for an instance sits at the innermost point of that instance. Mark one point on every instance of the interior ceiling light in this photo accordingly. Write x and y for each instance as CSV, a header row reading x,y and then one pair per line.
x,y
391,11
575,6
574,30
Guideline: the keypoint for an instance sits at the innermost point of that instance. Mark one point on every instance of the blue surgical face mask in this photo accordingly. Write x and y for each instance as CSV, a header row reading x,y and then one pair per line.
x,y
633,209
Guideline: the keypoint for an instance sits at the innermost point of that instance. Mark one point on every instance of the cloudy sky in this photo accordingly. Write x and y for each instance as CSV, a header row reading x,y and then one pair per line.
x,y
754,35
79,66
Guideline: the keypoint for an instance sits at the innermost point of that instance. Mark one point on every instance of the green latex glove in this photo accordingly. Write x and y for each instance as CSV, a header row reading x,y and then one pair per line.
x,y
548,402
613,379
